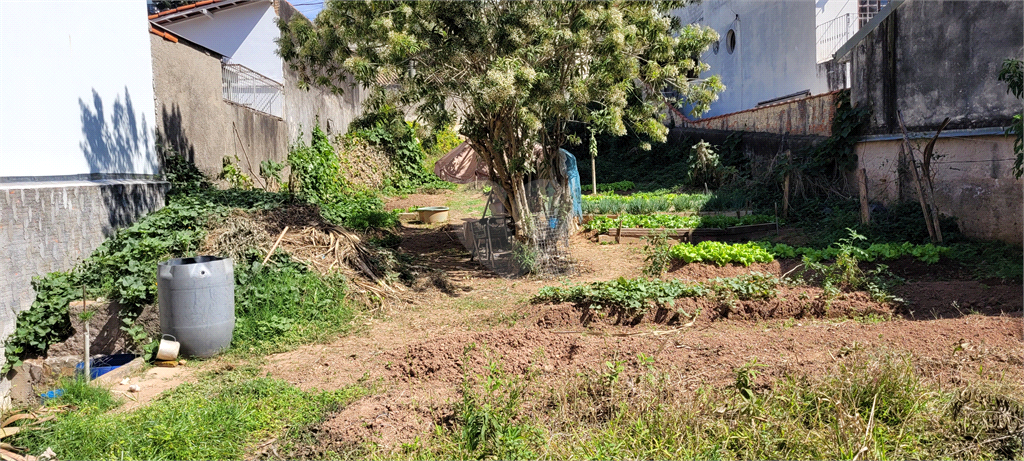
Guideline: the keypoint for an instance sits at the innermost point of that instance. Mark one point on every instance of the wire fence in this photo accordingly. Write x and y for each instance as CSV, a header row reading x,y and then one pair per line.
x,y
244,86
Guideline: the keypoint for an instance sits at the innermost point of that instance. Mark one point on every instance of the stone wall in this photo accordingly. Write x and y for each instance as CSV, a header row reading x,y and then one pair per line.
x,y
51,226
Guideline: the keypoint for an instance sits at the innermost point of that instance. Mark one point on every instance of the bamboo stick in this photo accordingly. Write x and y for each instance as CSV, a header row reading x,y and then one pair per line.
x,y
917,180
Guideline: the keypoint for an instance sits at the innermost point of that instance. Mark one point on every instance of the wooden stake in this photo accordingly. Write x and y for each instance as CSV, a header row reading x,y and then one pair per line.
x,y
917,180
785,191
862,184
278,242
88,371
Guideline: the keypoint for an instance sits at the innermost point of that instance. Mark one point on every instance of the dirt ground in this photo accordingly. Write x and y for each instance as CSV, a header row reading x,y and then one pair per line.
x,y
463,317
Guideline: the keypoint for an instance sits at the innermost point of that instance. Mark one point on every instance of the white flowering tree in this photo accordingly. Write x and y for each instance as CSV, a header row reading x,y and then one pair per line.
x,y
513,73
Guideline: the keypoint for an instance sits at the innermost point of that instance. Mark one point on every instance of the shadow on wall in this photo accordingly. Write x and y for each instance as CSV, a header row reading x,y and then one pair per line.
x,y
117,146
171,139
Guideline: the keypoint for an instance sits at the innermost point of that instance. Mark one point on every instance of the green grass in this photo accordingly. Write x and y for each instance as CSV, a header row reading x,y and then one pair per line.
x,y
875,404
467,202
284,304
220,417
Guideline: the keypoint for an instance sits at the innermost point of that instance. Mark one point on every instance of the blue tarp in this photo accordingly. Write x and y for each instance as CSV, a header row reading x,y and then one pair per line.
x,y
575,189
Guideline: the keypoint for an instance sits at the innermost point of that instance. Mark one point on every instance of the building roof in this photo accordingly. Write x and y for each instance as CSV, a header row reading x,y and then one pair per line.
x,y
205,7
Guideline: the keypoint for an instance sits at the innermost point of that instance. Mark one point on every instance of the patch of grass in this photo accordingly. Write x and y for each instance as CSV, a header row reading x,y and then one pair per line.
x,y
220,417
468,202
870,406
87,397
284,304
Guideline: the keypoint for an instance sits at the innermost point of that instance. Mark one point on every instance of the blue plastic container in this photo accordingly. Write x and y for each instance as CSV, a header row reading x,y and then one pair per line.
x,y
52,394
103,365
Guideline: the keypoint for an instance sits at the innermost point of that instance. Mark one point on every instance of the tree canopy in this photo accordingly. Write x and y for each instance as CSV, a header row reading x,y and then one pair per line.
x,y
513,74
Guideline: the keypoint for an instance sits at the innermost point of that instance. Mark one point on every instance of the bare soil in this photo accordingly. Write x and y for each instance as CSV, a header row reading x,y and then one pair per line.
x,y
463,317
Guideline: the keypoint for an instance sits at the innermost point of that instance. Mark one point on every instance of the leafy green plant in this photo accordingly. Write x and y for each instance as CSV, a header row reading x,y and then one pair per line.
x,y
1012,73
603,224
315,169
284,304
386,127
620,186
746,377
658,254
234,175
720,253
754,285
631,295
490,418
271,173
705,168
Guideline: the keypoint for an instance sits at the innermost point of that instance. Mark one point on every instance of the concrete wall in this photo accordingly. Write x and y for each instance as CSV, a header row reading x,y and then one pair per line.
x,y
196,121
48,226
808,116
244,34
973,182
774,54
76,88
303,107
934,59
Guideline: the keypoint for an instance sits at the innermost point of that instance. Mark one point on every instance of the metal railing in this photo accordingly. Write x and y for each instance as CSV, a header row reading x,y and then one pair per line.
x,y
833,34
244,86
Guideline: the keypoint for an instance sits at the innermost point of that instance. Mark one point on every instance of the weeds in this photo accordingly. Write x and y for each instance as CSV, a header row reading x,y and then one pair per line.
x,y
285,304
658,254
222,416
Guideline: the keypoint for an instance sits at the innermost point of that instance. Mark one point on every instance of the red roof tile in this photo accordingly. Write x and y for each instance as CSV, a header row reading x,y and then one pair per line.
x,y
183,8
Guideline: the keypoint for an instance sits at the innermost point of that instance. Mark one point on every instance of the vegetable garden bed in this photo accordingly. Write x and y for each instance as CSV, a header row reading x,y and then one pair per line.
x,y
682,228
692,235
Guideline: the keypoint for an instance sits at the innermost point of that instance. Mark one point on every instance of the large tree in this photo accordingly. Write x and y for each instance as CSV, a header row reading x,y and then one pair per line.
x,y
514,73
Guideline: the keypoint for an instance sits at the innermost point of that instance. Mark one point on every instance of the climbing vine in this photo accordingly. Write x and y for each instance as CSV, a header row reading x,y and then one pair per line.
x,y
1013,74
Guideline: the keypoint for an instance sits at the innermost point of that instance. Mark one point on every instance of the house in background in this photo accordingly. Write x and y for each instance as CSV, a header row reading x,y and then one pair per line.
x,y
766,51
771,51
222,90
77,152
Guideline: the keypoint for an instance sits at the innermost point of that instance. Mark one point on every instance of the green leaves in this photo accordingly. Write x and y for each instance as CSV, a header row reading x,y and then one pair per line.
x,y
1013,74
721,253
628,294
603,224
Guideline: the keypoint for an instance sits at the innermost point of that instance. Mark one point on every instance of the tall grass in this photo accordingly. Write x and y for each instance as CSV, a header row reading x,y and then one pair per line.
x,y
870,406
284,304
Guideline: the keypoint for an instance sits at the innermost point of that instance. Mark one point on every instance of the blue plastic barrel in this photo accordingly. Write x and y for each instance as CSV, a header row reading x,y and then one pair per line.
x,y
196,297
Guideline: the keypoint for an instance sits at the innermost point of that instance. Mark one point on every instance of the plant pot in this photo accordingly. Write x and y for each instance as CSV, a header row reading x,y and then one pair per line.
x,y
433,214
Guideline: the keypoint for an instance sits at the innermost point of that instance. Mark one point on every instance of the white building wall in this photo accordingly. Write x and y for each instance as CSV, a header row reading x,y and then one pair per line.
x,y
774,54
245,34
76,89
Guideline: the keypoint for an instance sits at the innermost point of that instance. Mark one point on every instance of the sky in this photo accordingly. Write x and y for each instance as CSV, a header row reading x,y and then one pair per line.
x,y
309,8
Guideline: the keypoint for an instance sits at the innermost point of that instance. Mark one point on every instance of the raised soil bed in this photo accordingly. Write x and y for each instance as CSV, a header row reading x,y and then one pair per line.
x,y
729,234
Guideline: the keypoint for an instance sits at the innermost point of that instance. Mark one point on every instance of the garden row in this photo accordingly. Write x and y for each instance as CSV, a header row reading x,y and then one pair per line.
x,y
653,202
632,295
602,224
763,252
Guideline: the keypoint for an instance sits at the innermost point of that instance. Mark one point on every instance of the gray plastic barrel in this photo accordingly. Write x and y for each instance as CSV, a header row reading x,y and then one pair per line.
x,y
197,303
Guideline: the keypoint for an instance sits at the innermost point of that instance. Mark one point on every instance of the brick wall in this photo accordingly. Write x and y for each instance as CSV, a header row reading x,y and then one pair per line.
x,y
50,226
